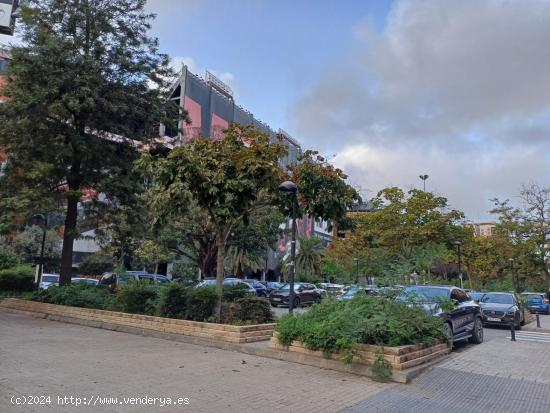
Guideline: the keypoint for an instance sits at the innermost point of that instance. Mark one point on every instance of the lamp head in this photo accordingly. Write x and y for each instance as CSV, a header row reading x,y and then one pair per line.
x,y
288,186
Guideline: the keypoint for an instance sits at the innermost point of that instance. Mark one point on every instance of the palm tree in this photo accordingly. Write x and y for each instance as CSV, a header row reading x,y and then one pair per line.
x,y
237,260
310,255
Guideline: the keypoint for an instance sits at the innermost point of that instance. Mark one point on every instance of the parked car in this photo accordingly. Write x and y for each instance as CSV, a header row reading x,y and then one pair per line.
x,y
502,309
304,293
272,285
322,292
261,290
537,302
354,291
211,282
47,280
462,322
475,295
84,280
114,281
332,289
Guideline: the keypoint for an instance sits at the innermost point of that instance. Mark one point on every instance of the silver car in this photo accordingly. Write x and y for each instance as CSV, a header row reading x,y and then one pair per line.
x,y
48,280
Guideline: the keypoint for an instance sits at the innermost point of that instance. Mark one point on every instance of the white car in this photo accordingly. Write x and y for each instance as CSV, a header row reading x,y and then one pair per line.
x,y
48,280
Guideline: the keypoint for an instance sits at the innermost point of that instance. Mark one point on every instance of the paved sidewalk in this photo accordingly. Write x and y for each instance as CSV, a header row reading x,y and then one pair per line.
x,y
42,357
544,324
497,376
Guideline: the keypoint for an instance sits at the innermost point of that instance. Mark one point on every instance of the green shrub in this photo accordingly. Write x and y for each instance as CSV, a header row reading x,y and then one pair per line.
x,y
381,369
172,300
228,314
8,259
201,303
335,326
136,297
17,278
255,310
76,295
231,293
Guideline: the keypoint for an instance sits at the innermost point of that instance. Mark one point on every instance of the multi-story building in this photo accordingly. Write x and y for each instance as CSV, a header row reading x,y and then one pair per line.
x,y
483,229
211,107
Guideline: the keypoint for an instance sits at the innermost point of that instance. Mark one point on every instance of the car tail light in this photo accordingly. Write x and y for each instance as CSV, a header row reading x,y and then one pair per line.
x,y
546,301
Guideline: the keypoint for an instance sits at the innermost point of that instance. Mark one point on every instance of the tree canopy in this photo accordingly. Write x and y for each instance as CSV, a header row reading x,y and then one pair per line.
x,y
86,84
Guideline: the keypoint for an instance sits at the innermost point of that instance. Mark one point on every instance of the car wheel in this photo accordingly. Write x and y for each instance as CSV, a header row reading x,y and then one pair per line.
x,y
477,333
296,302
449,334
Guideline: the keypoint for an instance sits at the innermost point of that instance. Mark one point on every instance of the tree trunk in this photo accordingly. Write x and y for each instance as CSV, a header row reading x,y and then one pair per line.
x,y
220,243
68,238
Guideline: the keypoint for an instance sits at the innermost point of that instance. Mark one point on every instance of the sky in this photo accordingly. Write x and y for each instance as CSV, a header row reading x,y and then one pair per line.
x,y
387,90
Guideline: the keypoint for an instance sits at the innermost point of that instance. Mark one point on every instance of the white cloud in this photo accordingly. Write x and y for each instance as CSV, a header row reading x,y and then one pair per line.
x,y
458,90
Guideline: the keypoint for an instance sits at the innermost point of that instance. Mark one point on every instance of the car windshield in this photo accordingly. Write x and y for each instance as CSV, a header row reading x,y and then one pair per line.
x,y
422,294
497,299
474,295
287,287
50,278
534,297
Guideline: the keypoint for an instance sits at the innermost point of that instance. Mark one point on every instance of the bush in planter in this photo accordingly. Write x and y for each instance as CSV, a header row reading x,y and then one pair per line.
x,y
136,297
172,300
76,295
255,310
201,303
17,278
334,326
231,293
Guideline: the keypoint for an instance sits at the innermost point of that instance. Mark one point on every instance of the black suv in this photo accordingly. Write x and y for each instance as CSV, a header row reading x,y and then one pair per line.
x,y
304,293
462,321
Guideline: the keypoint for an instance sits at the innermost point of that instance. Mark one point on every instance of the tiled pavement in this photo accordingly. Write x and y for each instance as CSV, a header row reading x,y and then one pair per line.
x,y
42,357
496,376
446,390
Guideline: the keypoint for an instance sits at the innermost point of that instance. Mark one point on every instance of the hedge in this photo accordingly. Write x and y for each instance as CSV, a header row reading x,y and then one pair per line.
x,y
17,278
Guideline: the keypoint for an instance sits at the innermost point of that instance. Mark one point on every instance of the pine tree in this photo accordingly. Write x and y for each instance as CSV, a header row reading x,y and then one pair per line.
x,y
86,85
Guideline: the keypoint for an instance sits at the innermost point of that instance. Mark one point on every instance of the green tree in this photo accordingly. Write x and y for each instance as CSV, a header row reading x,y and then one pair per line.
x,y
229,179
527,230
226,179
309,256
28,244
86,84
151,253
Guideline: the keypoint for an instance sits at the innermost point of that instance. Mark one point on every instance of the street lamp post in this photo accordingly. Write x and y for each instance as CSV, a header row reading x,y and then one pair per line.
x,y
424,178
291,187
458,245
356,270
43,219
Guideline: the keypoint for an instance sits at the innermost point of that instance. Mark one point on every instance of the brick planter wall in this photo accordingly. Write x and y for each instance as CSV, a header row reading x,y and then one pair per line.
x,y
400,358
212,331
